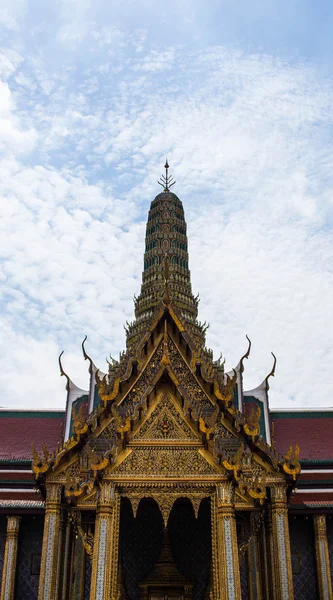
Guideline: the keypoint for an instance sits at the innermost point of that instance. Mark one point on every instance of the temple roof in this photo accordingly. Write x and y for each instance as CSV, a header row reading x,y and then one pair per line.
x,y
310,429
19,428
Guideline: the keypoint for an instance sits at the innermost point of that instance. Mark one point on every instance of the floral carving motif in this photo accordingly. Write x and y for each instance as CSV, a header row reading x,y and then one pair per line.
x,y
169,462
194,393
165,422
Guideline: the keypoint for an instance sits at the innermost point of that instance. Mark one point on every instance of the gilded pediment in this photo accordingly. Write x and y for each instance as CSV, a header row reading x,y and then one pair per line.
x,y
165,423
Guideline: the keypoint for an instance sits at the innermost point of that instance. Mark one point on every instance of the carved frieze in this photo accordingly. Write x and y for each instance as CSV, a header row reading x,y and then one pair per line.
x,y
166,462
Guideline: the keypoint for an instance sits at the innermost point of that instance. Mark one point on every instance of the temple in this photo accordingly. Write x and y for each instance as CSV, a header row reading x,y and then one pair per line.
x,y
165,479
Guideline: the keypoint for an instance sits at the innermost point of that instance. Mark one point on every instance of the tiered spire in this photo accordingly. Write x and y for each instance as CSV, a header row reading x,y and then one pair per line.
x,y
166,244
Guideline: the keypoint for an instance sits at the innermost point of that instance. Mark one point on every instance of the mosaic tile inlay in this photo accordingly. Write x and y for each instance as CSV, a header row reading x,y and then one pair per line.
x,y
9,568
229,560
282,556
101,559
49,556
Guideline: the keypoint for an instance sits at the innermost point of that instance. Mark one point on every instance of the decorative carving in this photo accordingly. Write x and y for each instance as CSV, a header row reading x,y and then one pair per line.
x,y
291,464
167,461
224,494
40,465
138,395
107,493
224,390
165,499
252,425
79,416
195,396
165,422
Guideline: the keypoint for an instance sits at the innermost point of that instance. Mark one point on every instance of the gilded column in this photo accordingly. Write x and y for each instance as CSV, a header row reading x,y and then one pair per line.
x,y
10,559
254,569
104,585
322,558
49,567
226,576
281,544
270,554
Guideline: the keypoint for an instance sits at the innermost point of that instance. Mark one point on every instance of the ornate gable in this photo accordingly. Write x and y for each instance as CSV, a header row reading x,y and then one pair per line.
x,y
165,423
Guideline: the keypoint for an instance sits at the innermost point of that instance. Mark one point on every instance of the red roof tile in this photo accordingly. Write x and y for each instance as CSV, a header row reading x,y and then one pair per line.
x,y
19,429
313,434
311,498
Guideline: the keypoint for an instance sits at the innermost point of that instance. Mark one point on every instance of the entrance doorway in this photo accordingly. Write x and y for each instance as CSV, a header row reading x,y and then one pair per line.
x,y
165,564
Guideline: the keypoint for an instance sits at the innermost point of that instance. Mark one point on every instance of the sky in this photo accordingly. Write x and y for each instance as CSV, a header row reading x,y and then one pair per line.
x,y
93,96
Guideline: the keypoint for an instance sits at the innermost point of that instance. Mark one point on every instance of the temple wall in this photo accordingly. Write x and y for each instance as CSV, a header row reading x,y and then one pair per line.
x,y
29,550
303,558
3,528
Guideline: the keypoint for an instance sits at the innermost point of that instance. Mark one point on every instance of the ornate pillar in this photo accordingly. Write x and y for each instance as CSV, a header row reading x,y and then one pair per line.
x,y
270,554
104,585
226,576
254,569
49,563
281,544
9,565
322,558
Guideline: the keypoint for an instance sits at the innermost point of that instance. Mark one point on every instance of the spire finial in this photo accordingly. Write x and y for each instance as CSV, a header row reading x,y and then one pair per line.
x,y
166,181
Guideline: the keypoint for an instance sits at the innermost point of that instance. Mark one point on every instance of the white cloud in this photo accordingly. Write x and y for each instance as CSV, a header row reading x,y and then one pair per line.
x,y
156,61
12,13
12,137
9,61
248,138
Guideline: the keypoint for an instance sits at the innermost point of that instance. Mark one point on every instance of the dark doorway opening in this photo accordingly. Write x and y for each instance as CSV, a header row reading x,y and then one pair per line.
x,y
141,541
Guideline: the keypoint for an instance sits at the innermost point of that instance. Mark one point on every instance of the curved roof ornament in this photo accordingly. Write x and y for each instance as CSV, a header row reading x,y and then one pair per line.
x,y
246,355
272,373
166,181
62,372
86,356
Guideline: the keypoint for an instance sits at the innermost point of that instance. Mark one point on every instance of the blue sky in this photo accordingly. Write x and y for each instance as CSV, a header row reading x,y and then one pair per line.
x,y
93,96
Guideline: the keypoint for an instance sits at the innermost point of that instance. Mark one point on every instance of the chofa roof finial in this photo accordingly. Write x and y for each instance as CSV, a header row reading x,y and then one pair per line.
x,y
166,181
62,372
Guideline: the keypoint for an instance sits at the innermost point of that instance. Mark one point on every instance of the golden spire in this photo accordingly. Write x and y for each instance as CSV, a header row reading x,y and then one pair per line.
x,y
166,294
166,181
